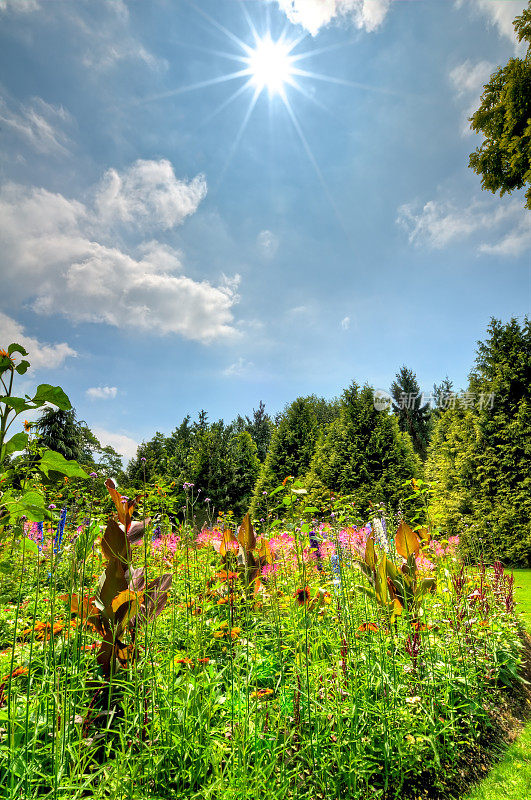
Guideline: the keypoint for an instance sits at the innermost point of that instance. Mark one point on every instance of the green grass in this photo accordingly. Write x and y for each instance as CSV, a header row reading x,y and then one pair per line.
x,y
511,777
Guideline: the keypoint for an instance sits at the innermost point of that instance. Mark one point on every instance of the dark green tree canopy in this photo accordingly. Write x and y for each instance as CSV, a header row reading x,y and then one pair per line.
x,y
362,454
413,416
504,118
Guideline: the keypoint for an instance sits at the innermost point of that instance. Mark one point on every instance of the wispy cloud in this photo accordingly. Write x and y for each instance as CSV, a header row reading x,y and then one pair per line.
x,y
502,228
37,124
239,368
102,392
345,323
499,13
63,256
40,354
468,80
267,243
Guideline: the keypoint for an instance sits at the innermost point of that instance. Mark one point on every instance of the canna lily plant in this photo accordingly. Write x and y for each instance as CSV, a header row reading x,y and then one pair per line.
x,y
124,599
241,552
397,588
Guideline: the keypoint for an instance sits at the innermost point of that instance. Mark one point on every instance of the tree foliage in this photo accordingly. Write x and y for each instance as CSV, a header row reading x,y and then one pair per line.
x,y
363,454
479,456
413,416
504,118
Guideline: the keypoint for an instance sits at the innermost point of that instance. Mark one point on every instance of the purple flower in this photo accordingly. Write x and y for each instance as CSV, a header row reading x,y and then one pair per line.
x,y
93,474
207,499
264,493
143,459
51,506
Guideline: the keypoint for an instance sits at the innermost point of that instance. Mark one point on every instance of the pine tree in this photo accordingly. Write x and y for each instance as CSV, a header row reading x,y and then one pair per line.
x,y
442,395
413,417
363,454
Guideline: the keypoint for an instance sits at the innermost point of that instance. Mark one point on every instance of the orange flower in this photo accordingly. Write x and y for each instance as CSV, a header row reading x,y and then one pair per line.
x,y
302,596
286,479
5,354
223,575
261,693
368,626
27,426
203,661
186,661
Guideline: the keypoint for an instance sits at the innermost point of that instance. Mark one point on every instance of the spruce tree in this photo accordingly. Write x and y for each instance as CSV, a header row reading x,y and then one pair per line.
x,y
59,432
481,451
413,416
290,450
364,455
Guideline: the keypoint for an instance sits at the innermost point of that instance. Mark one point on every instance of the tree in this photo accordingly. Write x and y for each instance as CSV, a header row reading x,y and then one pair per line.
x,y
479,458
362,454
442,394
59,432
504,118
413,417
290,451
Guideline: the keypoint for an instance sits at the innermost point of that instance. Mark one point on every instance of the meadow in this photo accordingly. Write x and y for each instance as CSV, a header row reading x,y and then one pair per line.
x,y
302,659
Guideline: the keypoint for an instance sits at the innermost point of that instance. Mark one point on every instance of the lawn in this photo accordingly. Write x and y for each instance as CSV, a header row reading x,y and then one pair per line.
x,y
511,778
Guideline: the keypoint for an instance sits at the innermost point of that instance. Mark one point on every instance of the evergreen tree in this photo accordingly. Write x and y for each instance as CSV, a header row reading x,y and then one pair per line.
x,y
413,417
59,432
480,455
290,451
442,396
244,467
363,454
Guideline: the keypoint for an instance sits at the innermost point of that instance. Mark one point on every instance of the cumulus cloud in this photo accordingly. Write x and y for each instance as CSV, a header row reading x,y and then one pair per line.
x,y
40,355
315,14
438,224
468,80
38,124
345,323
57,256
267,243
148,194
102,392
124,445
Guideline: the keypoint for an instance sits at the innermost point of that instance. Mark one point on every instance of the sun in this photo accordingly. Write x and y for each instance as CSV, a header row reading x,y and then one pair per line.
x,y
270,65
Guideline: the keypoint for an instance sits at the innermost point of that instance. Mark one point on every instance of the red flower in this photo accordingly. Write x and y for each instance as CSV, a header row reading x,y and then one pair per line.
x,y
302,596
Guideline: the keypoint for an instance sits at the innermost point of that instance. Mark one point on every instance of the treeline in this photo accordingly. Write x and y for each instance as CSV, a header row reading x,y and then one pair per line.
x,y
472,445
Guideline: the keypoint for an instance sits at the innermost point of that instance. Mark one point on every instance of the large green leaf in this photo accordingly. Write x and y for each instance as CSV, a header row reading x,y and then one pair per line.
x,y
16,444
55,462
22,368
18,404
31,504
51,394
16,348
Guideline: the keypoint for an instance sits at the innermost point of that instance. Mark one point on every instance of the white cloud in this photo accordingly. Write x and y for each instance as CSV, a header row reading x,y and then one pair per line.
x,y
315,14
345,323
468,80
19,6
40,355
148,195
267,243
438,224
102,392
240,368
501,14
54,256
123,444
38,124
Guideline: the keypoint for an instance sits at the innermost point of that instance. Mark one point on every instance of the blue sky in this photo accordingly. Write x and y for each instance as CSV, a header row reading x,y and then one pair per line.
x,y
159,256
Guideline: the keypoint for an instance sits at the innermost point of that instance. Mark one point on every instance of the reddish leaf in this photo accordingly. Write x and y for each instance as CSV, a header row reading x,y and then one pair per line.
x,y
370,553
228,543
114,543
406,541
136,531
246,535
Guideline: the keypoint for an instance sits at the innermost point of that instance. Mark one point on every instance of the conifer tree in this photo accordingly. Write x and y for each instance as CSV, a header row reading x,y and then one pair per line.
x,y
59,432
290,451
480,455
413,416
363,454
